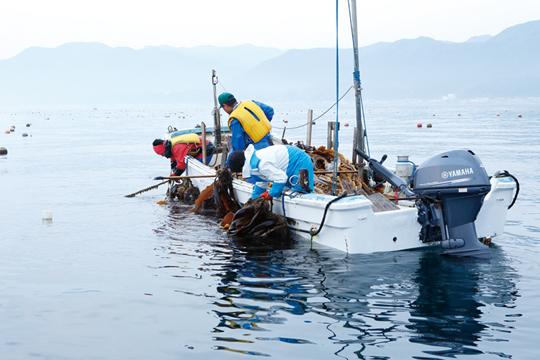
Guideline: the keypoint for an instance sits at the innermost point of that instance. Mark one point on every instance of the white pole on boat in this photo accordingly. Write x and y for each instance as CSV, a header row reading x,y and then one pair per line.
x,y
309,126
357,86
217,117
203,136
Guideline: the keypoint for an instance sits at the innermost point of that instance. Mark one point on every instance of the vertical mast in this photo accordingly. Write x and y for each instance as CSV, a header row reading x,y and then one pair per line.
x,y
360,142
217,119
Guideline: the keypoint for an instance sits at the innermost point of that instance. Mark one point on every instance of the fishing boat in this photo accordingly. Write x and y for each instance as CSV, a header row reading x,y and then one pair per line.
x,y
448,201
367,224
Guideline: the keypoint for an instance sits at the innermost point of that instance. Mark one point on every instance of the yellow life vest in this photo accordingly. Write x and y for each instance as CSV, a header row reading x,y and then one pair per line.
x,y
188,139
253,120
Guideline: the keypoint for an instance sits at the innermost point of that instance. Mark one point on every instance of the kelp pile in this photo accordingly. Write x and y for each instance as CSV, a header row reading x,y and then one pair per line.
x,y
184,191
257,219
323,161
218,196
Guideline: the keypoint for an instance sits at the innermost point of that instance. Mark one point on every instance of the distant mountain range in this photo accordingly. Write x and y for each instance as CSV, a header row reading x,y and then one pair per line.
x,y
505,65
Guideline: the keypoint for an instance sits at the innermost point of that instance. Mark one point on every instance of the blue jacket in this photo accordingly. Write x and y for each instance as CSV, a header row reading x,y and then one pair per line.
x,y
276,164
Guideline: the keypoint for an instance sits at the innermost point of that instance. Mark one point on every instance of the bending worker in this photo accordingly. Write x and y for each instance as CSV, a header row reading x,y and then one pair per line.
x,y
279,164
178,147
249,122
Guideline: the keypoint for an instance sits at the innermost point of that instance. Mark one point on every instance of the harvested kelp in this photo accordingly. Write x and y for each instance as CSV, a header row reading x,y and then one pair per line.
x,y
204,201
256,219
224,185
218,196
184,191
323,161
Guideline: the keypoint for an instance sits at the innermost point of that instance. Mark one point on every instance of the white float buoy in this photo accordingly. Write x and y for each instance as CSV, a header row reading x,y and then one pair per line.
x,y
46,216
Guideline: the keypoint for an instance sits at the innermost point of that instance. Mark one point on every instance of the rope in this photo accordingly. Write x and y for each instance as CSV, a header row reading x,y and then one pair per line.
x,y
318,117
505,173
336,138
364,119
330,108
223,87
216,81
324,215
356,74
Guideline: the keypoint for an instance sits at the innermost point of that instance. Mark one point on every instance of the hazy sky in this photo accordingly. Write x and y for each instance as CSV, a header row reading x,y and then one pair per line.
x,y
285,24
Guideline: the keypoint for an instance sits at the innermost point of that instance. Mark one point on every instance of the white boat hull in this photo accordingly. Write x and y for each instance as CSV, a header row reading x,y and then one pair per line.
x,y
351,225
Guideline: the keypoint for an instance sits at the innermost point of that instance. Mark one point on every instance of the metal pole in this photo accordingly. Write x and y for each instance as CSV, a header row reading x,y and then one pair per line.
x,y
203,133
309,126
217,119
329,136
354,157
357,86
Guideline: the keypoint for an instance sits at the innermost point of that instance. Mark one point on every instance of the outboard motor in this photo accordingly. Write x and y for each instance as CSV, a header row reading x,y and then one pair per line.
x,y
450,188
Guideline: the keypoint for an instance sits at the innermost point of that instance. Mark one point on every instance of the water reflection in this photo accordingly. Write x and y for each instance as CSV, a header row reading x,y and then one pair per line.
x,y
393,305
453,293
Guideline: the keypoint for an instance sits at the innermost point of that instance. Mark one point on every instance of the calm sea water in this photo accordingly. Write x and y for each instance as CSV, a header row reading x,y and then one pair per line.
x,y
120,278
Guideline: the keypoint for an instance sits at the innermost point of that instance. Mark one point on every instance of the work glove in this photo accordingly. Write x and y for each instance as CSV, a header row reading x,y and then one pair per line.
x,y
266,196
177,172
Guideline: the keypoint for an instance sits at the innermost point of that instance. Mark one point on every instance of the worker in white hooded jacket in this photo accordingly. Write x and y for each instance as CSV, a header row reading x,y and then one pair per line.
x,y
278,164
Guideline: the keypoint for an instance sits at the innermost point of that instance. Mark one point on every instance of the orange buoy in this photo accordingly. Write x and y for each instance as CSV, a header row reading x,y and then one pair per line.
x,y
346,124
428,125
419,125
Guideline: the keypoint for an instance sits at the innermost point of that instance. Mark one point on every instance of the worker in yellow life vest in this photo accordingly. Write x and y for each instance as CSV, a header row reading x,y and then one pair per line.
x,y
178,147
249,122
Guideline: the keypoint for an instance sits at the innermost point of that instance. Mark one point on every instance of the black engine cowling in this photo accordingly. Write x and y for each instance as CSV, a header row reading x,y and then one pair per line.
x,y
451,187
